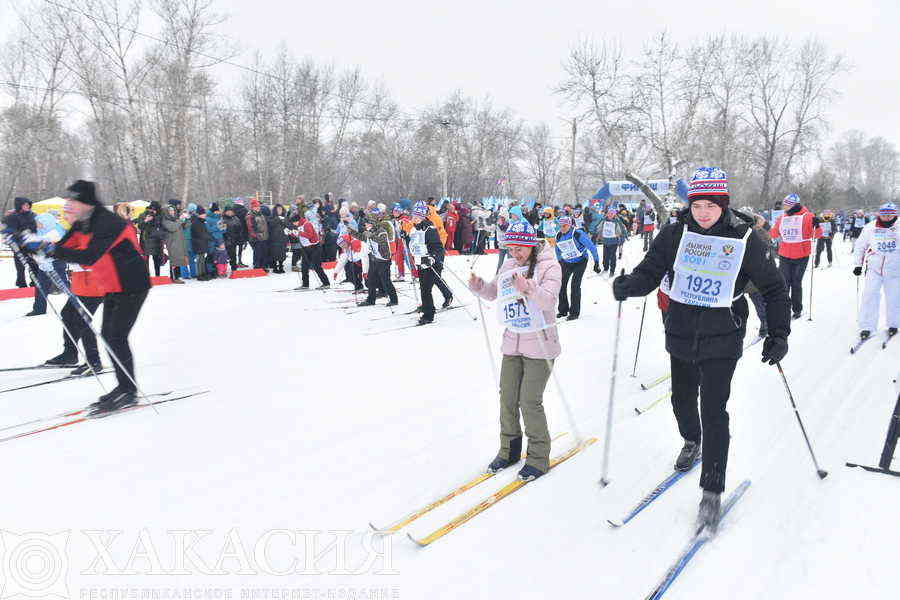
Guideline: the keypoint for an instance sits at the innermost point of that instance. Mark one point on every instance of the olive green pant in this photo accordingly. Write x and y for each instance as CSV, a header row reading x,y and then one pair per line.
x,y
522,383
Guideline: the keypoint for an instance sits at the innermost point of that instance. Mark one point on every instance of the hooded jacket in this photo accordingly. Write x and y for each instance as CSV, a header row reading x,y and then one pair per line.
x,y
695,333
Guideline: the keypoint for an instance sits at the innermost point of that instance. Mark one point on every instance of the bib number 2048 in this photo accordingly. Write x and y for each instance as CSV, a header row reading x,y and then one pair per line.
x,y
515,310
704,285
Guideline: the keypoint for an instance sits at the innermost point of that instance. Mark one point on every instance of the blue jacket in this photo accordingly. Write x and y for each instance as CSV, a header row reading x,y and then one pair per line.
x,y
582,242
216,235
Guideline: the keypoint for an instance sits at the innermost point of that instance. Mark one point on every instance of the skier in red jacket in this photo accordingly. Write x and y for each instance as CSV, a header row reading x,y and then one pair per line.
x,y
796,228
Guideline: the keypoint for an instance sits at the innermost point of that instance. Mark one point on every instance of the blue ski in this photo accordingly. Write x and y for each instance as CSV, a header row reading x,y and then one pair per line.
x,y
656,493
697,542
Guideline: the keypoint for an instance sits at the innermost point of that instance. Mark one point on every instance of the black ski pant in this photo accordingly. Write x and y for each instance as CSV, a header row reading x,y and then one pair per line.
x,y
573,271
428,278
312,259
792,269
231,249
296,253
80,330
20,273
648,237
260,254
380,278
609,258
120,311
353,270
823,243
709,425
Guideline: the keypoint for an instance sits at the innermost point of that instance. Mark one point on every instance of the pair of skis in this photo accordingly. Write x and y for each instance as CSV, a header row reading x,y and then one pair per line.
x,y
475,510
69,377
859,344
69,418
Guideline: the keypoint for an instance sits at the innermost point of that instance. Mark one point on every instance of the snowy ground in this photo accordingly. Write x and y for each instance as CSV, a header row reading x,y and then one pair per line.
x,y
312,426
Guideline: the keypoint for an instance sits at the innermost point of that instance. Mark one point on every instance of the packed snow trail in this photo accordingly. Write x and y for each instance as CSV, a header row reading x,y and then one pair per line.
x,y
311,425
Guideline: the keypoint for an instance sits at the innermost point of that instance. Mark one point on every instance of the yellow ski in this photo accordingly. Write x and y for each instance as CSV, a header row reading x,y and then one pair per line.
x,y
398,525
503,492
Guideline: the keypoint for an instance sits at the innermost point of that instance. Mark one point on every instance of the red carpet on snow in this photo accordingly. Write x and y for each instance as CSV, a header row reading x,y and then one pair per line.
x,y
248,273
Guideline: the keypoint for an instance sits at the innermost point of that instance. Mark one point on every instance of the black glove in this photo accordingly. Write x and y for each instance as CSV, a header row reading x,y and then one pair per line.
x,y
597,268
857,271
426,262
620,288
775,348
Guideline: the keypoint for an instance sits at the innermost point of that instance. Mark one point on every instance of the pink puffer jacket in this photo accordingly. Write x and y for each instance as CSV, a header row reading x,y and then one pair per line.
x,y
544,292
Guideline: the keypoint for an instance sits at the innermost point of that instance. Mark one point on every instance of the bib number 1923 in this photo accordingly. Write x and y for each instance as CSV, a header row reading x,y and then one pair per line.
x,y
704,285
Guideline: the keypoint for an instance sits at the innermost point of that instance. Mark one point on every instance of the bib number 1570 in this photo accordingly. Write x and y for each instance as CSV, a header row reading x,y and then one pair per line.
x,y
515,310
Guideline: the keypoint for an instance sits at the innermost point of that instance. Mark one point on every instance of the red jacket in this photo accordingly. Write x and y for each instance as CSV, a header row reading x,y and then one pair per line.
x,y
308,232
804,234
109,244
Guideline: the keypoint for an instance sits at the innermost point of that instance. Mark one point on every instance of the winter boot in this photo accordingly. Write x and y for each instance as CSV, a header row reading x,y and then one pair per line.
x,y
892,331
572,318
367,303
86,370
447,302
515,455
529,473
796,315
864,334
63,360
710,512
688,455
425,320
392,303
561,314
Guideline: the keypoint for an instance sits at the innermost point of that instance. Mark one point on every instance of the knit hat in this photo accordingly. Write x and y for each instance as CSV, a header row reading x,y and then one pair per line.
x,y
214,207
311,215
254,204
887,211
517,211
420,209
565,221
192,208
521,233
611,213
84,192
201,210
790,200
397,207
20,202
173,202
711,183
548,210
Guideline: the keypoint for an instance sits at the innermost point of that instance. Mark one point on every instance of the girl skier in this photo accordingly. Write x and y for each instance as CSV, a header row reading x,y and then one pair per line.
x,y
526,289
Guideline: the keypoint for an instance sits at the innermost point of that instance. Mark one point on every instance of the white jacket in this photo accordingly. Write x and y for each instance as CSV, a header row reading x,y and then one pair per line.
x,y
881,249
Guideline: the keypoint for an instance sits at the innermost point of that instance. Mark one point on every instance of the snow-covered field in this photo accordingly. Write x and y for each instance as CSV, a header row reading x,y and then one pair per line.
x,y
311,430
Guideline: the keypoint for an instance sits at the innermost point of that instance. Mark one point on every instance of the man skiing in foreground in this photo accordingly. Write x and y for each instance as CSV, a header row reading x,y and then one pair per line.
x,y
106,242
710,256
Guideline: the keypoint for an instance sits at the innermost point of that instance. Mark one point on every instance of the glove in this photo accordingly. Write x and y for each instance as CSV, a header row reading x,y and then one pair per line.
x,y
857,271
775,348
427,262
44,264
33,244
596,268
620,288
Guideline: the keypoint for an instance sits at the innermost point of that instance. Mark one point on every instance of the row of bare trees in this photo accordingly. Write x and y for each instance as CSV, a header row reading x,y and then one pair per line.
x,y
87,91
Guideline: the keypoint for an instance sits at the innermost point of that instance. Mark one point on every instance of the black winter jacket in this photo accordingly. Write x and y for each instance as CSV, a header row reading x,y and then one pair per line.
x,y
199,235
695,333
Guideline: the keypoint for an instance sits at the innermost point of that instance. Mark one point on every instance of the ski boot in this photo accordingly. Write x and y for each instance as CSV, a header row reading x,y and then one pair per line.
x,y
324,286
688,455
425,320
561,314
86,369
710,512
63,360
116,400
447,302
367,303
892,331
515,455
529,473
864,334
393,303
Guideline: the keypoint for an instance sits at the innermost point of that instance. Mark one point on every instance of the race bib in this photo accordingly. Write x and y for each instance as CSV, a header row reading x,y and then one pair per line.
x,y
859,223
609,229
791,229
826,229
373,249
550,229
417,245
568,249
579,222
884,241
706,269
514,311
648,220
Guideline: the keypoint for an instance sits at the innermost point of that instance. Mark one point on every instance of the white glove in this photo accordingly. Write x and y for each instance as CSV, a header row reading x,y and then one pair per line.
x,y
44,264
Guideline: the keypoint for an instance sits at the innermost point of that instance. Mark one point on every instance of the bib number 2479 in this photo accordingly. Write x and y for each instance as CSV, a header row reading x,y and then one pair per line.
x,y
704,285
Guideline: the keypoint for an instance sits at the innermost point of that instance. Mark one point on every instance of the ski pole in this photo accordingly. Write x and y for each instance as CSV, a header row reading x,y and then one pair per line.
x,y
88,320
487,343
812,273
821,473
463,306
640,334
604,481
559,389
17,251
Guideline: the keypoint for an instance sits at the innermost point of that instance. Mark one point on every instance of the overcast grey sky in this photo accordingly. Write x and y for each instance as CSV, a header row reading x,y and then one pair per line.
x,y
512,50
